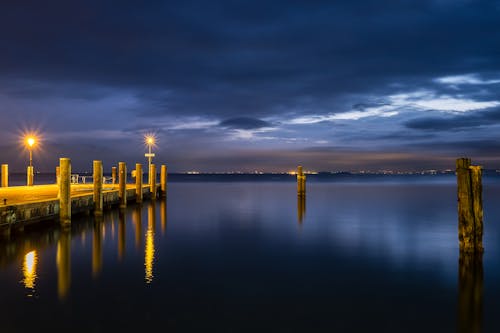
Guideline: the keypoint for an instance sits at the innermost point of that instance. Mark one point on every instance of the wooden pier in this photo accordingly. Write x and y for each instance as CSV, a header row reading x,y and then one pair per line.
x,y
23,205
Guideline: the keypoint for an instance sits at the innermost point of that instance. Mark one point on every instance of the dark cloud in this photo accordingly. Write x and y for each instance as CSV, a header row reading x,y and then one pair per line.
x,y
455,122
130,67
244,123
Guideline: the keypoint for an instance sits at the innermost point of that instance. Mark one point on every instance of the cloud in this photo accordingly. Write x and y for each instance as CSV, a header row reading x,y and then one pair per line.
x,y
456,122
244,123
464,79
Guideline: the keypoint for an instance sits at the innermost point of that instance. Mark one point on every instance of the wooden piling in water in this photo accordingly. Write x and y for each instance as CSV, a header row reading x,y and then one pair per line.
x,y
301,181
5,175
138,182
163,181
470,206
65,191
113,175
98,196
122,186
152,185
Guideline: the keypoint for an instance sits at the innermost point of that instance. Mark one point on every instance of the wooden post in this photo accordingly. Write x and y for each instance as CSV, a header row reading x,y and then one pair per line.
x,y
5,175
122,186
138,182
98,198
301,181
58,174
113,175
470,206
29,176
163,181
65,191
152,185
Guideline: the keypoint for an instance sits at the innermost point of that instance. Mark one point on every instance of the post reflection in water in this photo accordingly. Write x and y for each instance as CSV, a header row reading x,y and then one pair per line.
x,y
29,271
97,247
301,208
163,216
63,261
137,221
149,250
470,293
121,235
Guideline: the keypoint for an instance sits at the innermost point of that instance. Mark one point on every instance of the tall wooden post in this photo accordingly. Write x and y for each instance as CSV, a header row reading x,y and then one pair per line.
x,y
138,182
163,181
97,176
301,181
152,185
65,191
29,176
113,175
122,186
5,175
470,206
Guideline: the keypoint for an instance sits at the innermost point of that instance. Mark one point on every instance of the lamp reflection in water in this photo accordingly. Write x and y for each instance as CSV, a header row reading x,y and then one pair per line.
x,y
63,261
29,271
470,293
301,208
97,247
149,250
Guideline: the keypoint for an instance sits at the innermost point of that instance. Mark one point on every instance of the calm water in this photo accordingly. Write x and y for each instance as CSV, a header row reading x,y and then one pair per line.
x,y
247,256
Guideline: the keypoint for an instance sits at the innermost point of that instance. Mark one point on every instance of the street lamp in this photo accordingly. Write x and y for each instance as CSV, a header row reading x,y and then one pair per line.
x,y
149,139
30,141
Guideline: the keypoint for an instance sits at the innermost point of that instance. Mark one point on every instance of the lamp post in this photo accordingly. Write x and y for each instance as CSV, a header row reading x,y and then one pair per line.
x,y
30,141
150,141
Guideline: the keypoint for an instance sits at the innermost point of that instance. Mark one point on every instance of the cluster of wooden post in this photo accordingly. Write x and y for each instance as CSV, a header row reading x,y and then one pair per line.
x,y
470,206
64,184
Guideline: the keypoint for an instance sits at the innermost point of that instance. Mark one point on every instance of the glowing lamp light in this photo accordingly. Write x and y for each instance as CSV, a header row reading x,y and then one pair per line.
x,y
30,141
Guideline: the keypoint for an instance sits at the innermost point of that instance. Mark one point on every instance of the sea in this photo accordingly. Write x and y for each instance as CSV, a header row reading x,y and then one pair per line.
x,y
244,253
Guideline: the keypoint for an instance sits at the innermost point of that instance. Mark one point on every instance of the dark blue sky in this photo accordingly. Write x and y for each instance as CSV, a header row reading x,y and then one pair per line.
x,y
252,85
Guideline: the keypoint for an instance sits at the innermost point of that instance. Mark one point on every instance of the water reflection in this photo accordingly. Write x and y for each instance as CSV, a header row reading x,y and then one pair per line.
x,y
121,235
301,208
97,247
29,271
63,261
470,293
163,216
149,250
137,221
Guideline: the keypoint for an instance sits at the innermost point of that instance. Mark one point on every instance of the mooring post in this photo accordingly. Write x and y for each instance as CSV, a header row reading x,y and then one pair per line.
x,y
301,181
470,206
138,182
122,186
163,181
5,175
152,184
65,191
29,175
98,197
113,175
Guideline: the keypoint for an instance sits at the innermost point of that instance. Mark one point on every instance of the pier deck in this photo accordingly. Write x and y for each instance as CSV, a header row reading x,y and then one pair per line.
x,y
20,205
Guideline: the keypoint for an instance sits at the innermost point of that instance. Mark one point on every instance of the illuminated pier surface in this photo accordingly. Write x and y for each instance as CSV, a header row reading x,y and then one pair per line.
x,y
20,205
